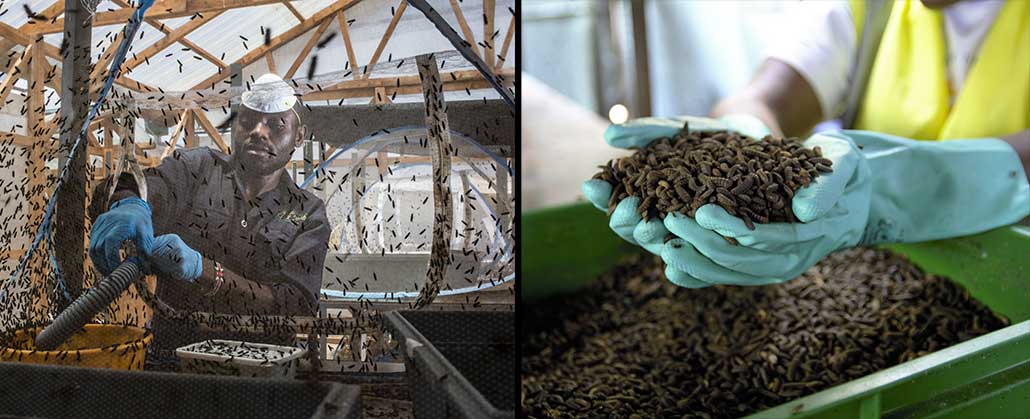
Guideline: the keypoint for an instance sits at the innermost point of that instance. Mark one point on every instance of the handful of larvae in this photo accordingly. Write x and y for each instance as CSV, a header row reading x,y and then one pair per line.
x,y
752,180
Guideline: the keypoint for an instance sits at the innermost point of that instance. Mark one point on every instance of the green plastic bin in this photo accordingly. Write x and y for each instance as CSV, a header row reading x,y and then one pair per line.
x,y
986,377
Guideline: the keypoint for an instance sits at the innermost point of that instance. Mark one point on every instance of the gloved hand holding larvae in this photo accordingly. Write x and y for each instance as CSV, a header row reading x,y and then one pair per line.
x,y
724,207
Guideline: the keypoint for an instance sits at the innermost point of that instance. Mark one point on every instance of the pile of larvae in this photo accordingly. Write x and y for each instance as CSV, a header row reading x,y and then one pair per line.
x,y
753,180
634,345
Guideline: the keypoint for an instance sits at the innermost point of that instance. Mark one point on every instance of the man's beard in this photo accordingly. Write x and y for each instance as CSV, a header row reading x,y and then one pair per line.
x,y
260,166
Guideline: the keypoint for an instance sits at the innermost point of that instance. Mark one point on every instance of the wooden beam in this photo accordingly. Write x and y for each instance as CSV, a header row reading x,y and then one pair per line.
x,y
55,10
464,26
488,32
278,41
13,254
453,81
36,170
190,44
507,94
300,17
34,95
51,126
174,138
162,9
12,73
345,32
13,34
211,131
102,63
99,73
459,75
381,96
503,207
51,51
189,128
386,38
403,90
507,43
307,48
172,37
204,53
18,139
91,138
271,63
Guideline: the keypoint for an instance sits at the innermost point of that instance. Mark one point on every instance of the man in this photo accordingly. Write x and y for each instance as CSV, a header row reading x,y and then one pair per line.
x,y
225,233
937,75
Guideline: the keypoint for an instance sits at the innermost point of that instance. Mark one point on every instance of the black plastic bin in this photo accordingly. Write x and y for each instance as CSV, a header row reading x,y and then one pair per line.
x,y
460,364
38,391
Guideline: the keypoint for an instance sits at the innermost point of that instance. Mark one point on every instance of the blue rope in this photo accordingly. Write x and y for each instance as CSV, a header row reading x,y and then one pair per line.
x,y
45,227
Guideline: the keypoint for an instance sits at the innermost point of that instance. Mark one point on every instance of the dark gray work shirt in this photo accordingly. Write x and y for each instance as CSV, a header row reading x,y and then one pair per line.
x,y
278,239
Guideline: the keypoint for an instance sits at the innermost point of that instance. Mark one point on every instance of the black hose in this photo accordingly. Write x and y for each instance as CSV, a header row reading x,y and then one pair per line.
x,y
87,305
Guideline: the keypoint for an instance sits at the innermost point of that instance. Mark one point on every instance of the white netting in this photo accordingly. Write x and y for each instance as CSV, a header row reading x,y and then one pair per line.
x,y
379,202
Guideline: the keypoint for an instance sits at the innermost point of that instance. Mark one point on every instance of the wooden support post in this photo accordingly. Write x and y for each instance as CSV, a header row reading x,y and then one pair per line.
x,y
342,19
13,70
190,129
507,43
309,157
488,32
357,183
503,207
296,13
380,96
321,175
381,156
386,38
277,42
471,39
108,131
211,130
466,215
36,171
98,75
315,37
107,162
440,150
236,81
71,200
271,63
174,138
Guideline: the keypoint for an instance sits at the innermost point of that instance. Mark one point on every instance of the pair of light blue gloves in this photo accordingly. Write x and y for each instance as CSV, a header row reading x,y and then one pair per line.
x,y
883,189
130,219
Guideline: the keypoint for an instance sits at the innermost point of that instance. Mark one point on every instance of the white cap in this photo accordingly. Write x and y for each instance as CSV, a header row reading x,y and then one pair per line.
x,y
269,94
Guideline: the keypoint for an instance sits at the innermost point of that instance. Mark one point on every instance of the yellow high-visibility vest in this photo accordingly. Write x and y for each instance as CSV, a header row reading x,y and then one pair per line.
x,y
907,93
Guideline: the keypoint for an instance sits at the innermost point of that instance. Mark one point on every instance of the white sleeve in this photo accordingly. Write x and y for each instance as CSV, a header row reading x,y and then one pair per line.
x,y
822,48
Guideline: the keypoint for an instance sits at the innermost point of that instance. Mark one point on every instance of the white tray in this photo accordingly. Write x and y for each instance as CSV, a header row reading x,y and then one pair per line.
x,y
274,361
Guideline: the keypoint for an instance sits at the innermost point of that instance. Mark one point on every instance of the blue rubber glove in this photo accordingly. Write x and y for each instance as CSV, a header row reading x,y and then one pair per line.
x,y
833,210
175,259
639,133
127,219
882,189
